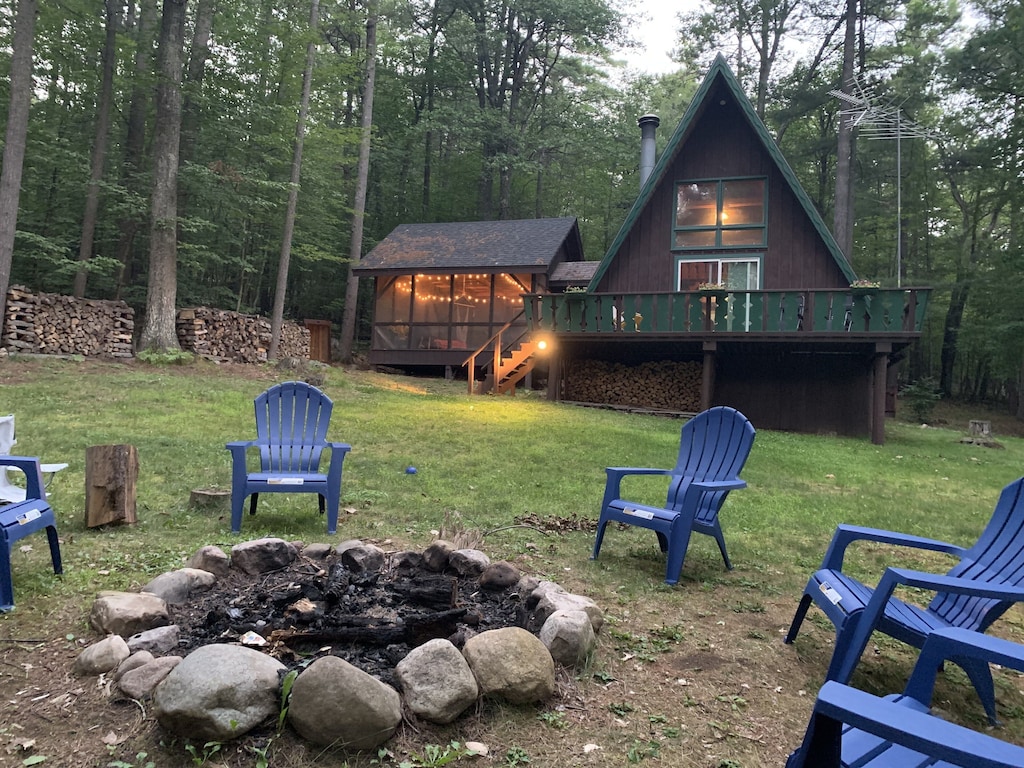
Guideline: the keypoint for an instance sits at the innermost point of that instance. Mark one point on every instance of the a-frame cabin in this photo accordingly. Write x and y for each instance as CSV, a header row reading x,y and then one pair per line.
x,y
725,265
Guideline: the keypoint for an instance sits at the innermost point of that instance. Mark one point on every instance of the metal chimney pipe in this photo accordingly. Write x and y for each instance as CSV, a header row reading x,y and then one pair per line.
x,y
648,127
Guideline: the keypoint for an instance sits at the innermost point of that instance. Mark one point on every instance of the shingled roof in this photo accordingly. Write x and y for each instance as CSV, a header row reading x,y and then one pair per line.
x,y
522,244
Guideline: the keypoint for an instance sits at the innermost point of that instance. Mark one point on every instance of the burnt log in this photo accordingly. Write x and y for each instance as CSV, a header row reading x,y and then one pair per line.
x,y
413,630
430,591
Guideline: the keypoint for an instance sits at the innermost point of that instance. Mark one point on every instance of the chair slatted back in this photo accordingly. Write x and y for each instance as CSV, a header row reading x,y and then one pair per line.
x,y
713,445
291,426
997,557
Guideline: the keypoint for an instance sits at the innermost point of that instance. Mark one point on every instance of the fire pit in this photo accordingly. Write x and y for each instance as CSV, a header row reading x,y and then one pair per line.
x,y
211,643
370,615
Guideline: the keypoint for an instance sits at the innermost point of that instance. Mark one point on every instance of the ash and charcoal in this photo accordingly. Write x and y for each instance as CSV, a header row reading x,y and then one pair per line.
x,y
371,619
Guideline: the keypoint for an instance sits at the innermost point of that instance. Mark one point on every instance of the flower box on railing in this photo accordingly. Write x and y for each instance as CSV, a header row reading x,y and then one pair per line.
x,y
861,287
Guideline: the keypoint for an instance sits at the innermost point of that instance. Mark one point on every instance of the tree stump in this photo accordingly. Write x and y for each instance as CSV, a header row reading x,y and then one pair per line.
x,y
210,500
980,433
979,428
111,473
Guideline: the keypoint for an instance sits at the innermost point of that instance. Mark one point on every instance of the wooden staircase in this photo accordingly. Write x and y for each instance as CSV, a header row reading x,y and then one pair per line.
x,y
513,366
510,361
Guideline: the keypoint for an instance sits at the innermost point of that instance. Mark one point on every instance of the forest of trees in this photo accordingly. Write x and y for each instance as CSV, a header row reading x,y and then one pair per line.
x,y
152,148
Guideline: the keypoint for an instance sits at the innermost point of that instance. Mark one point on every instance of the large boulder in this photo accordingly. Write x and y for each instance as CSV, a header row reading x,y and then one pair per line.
x,y
219,692
334,703
102,656
569,636
437,683
127,613
262,555
511,664
178,587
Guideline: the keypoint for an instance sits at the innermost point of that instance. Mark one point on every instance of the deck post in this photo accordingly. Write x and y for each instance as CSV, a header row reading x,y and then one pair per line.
x,y
707,374
877,399
555,377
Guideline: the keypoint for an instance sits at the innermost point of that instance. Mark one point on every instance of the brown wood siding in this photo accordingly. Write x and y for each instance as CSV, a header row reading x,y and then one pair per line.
x,y
722,145
787,390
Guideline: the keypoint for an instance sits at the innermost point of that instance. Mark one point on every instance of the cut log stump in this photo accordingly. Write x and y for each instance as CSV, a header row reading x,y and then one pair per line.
x,y
210,500
111,474
979,428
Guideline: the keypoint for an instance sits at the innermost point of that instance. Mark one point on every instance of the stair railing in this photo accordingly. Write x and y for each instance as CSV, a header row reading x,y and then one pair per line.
x,y
497,352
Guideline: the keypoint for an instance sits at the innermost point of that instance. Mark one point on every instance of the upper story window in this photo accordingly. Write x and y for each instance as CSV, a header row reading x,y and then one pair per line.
x,y
726,213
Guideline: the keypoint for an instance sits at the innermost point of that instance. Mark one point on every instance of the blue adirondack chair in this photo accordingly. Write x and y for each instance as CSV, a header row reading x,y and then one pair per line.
x,y
20,519
713,447
978,590
291,435
850,728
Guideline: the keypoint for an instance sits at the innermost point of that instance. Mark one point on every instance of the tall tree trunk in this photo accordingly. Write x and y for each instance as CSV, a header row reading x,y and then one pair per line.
x,y
199,52
158,333
842,226
135,136
348,316
277,316
14,143
112,9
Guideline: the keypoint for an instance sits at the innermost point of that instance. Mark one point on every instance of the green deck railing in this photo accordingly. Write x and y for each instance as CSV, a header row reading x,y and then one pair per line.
x,y
836,312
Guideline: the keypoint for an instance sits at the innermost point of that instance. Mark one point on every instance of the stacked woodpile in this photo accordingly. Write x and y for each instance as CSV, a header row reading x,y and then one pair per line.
x,y
49,324
666,385
224,336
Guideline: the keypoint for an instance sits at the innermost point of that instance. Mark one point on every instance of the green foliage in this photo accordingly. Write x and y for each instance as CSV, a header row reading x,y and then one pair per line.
x,y
141,757
203,755
640,750
171,357
286,692
516,756
921,397
554,719
435,756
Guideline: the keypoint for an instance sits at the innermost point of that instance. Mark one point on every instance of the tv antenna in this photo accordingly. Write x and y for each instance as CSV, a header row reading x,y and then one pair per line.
x,y
874,121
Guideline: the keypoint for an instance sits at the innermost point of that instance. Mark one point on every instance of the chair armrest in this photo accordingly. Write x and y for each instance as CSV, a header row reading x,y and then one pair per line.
x,y
847,534
242,445
915,730
613,483
34,485
935,582
623,471
719,485
338,452
954,643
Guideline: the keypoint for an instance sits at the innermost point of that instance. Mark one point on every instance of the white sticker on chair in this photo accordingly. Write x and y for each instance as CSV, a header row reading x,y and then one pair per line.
x,y
639,513
830,594
28,517
284,481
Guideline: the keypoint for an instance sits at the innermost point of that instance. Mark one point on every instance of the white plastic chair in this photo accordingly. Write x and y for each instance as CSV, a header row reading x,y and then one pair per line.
x,y
10,493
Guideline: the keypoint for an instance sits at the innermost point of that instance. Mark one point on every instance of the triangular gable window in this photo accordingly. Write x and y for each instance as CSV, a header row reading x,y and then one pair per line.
x,y
721,213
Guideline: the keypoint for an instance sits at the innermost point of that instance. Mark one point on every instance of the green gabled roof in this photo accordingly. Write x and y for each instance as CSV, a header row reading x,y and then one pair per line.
x,y
720,69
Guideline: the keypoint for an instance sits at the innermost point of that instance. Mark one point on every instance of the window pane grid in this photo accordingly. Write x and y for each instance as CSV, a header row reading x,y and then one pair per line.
x,y
720,214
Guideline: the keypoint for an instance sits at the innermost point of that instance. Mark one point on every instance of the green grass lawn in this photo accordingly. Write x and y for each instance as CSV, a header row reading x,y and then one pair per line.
x,y
487,463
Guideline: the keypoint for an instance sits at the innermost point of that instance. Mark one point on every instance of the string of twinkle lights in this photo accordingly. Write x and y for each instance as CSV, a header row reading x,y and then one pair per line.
x,y
444,281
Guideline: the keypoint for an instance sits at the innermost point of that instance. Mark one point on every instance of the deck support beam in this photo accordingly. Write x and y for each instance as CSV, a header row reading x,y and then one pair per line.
x,y
707,374
877,400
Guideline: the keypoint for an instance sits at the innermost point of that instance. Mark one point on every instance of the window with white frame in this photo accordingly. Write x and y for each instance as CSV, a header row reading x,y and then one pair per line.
x,y
736,273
